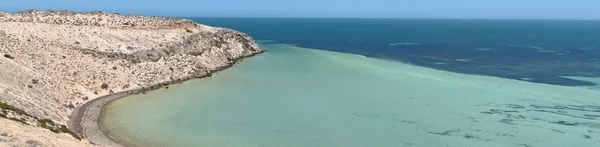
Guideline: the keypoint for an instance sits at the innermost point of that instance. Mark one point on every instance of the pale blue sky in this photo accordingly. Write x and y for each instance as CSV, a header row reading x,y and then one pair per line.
x,y
490,9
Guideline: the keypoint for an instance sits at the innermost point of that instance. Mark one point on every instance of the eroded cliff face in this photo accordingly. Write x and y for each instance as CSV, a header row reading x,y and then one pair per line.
x,y
54,61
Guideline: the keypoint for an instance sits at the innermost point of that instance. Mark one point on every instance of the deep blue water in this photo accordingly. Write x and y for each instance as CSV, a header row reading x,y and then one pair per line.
x,y
534,50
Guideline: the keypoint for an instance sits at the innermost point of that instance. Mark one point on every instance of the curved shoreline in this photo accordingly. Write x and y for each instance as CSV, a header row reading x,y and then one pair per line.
x,y
84,118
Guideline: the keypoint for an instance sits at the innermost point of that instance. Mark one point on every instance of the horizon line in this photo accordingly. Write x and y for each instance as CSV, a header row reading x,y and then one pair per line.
x,y
405,18
317,17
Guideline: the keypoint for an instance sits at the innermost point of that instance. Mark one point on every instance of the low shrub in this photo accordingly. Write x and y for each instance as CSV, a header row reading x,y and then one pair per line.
x,y
5,106
64,129
9,56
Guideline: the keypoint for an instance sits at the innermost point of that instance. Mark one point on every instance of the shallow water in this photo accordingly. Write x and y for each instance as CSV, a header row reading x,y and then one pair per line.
x,y
298,97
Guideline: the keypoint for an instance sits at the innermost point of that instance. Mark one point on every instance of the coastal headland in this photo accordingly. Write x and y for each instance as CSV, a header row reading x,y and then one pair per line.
x,y
57,64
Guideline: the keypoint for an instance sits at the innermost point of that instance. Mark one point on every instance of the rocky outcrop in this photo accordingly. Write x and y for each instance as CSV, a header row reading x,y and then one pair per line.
x,y
54,61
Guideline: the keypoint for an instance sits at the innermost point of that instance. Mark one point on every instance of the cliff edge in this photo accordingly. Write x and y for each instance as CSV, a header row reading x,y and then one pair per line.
x,y
54,61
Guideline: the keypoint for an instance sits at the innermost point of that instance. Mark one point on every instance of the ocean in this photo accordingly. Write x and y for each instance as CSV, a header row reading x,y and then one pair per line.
x,y
536,50
384,82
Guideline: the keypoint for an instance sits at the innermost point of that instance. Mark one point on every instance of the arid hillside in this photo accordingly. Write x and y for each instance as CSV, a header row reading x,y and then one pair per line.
x,y
51,62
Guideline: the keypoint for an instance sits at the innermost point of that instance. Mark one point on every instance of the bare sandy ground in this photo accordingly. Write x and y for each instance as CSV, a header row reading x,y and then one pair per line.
x,y
53,62
14,134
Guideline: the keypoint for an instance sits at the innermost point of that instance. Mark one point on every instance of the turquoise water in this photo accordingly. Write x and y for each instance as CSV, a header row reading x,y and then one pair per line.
x,y
540,51
530,83
298,97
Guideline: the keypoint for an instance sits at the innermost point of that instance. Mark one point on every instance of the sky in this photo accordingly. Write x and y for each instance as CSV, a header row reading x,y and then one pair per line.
x,y
452,9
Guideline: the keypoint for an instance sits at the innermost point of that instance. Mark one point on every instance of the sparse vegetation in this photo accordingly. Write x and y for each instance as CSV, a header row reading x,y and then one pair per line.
x,y
64,129
194,53
129,24
33,142
45,122
4,113
34,81
18,120
48,124
104,86
5,106
9,56
21,112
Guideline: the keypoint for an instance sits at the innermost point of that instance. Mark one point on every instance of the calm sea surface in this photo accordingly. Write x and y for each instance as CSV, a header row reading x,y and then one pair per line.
x,y
384,82
535,50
